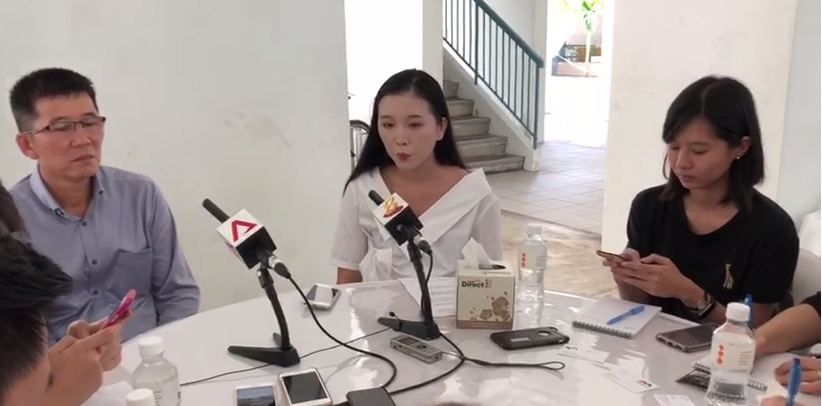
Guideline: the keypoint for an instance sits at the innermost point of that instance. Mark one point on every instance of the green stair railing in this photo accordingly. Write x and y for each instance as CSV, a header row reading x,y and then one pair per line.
x,y
497,56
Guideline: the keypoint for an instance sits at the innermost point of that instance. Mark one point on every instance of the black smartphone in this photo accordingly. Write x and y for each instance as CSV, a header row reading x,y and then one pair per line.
x,y
689,339
529,338
369,397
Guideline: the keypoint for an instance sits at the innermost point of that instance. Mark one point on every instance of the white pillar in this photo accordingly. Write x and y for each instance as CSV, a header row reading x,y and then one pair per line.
x,y
799,172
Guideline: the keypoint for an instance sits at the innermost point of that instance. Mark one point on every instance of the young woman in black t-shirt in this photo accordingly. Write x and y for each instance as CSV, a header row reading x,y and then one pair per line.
x,y
707,237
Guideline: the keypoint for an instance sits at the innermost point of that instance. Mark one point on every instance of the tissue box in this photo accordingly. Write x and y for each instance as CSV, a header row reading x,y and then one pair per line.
x,y
486,297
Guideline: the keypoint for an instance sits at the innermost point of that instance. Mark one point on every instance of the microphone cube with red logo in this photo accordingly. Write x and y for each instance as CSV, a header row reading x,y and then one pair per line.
x,y
246,237
486,297
394,212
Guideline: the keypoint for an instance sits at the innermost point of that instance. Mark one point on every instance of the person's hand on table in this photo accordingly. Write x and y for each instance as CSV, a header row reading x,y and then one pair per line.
x,y
76,368
811,378
778,401
110,351
655,275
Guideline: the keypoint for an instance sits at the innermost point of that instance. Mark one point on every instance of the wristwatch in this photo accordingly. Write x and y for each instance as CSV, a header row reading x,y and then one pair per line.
x,y
703,306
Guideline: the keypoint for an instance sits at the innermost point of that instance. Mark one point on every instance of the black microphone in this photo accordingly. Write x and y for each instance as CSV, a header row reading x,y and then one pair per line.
x,y
397,217
248,239
215,211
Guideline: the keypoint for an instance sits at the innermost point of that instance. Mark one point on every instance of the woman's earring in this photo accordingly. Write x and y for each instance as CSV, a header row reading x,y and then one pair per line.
x,y
737,158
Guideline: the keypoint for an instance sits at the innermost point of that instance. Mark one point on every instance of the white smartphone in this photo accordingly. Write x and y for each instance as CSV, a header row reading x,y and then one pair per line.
x,y
305,388
322,296
256,395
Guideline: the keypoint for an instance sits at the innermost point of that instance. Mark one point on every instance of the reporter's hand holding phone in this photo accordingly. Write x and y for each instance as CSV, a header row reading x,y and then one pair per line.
x,y
76,368
655,275
110,351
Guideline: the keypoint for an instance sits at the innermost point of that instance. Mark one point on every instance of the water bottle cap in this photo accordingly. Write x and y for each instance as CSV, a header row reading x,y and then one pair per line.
x,y
150,346
140,397
534,229
738,312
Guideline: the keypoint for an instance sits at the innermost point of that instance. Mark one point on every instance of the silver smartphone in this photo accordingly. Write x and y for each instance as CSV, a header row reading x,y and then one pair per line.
x,y
322,296
689,339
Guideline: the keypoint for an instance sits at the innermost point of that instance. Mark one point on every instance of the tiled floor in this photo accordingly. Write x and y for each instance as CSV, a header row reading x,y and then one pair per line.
x,y
567,190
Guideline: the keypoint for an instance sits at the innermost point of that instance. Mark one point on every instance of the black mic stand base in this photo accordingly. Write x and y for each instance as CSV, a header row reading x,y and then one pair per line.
x,y
419,329
285,354
281,357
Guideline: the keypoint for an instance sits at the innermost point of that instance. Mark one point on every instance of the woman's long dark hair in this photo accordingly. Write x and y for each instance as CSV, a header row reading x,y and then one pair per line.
x,y
421,84
10,218
728,107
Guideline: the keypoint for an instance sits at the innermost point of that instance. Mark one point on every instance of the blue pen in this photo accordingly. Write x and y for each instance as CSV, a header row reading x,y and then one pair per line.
x,y
629,313
796,380
749,303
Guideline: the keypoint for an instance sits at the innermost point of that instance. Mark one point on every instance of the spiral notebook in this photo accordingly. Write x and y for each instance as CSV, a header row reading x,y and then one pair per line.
x,y
596,317
704,365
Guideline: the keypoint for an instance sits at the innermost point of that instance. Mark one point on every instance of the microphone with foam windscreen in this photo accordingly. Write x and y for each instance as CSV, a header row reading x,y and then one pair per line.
x,y
399,220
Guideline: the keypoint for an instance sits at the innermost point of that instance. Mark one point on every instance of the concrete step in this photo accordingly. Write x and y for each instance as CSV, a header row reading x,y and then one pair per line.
x,y
450,88
460,107
496,163
471,125
481,145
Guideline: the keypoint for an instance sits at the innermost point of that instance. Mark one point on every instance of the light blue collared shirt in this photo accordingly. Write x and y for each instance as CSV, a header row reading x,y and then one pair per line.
x,y
127,240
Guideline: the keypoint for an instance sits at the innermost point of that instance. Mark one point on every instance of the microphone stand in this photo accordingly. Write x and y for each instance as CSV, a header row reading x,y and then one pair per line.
x,y
285,354
426,329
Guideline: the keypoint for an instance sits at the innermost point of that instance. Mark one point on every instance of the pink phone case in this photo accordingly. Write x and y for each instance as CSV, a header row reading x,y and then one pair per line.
x,y
121,310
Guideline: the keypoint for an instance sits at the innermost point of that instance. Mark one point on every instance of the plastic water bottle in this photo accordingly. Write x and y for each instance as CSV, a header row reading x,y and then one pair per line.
x,y
533,255
156,373
140,397
732,357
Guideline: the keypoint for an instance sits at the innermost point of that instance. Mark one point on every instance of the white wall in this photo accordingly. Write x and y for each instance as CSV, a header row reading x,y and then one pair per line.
x,y
242,102
799,180
690,39
519,14
385,37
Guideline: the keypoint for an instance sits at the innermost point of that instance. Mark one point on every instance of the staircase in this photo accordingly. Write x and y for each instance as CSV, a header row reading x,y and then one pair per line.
x,y
505,72
478,148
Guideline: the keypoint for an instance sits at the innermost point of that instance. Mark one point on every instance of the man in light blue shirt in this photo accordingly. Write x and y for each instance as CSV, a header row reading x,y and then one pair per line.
x,y
109,229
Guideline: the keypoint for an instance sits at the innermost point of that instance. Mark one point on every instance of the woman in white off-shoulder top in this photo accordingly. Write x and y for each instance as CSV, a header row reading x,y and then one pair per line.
x,y
411,151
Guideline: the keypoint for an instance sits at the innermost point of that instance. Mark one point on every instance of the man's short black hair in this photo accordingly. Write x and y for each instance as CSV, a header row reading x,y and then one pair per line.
x,y
45,84
29,282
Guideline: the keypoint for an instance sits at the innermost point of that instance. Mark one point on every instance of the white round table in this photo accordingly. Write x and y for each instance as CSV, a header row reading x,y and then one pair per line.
x,y
197,346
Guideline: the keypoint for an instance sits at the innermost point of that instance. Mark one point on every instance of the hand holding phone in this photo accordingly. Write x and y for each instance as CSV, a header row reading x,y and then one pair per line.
x,y
122,310
611,257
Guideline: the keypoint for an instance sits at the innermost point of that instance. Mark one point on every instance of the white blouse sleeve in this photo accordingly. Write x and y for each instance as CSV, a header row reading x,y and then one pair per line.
x,y
350,241
487,230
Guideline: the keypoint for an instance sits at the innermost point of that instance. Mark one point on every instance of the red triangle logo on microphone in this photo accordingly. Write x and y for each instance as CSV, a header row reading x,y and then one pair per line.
x,y
235,229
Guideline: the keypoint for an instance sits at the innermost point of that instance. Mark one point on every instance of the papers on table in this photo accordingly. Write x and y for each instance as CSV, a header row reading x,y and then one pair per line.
x,y
443,292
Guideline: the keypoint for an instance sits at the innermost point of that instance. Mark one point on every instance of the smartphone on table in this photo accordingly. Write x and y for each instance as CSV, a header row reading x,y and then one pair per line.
x,y
529,338
322,296
689,339
369,397
122,309
304,388
256,395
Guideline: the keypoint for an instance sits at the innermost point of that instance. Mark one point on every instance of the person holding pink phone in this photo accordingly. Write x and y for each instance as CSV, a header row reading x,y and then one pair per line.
x,y
76,362
707,237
